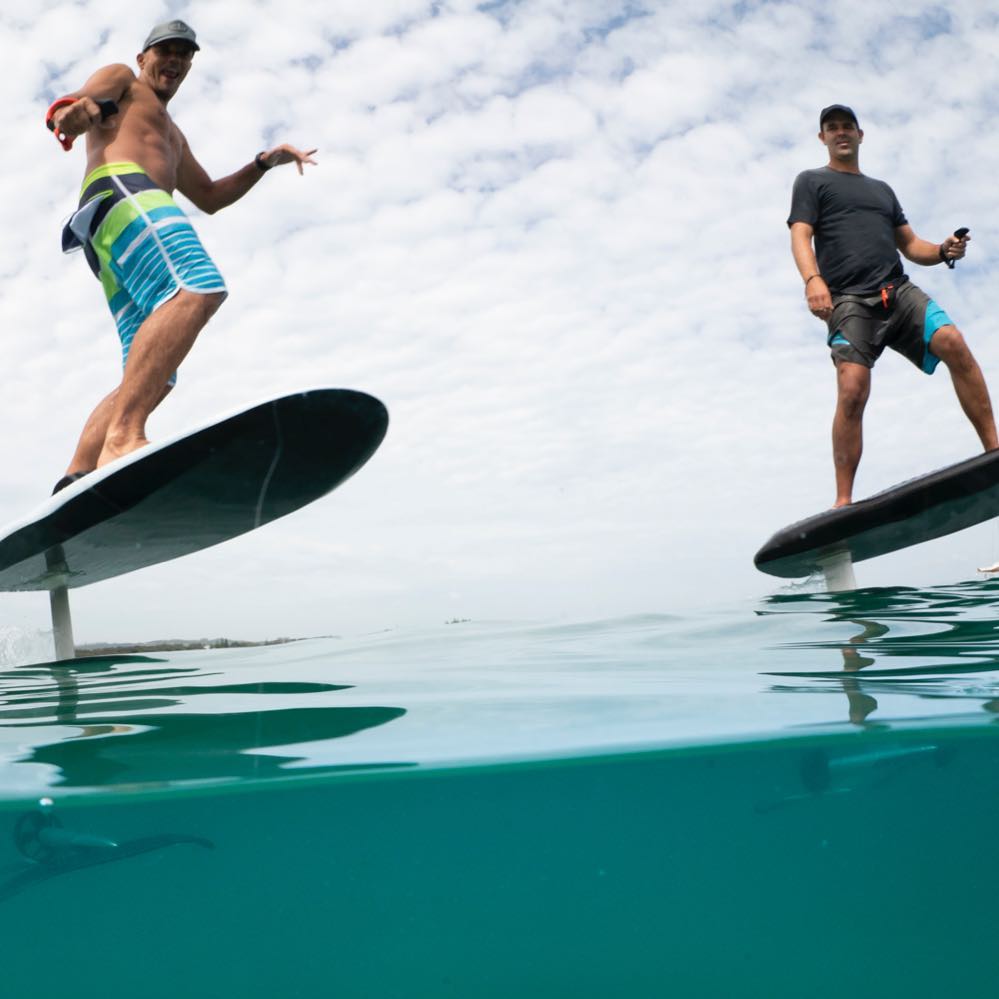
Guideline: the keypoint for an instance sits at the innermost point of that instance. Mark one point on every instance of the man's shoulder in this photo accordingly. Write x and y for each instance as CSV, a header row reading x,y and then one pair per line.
x,y
882,193
112,81
117,70
811,176
880,183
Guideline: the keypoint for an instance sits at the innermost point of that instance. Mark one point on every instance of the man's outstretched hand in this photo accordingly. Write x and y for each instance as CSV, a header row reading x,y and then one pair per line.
x,y
81,115
288,154
953,247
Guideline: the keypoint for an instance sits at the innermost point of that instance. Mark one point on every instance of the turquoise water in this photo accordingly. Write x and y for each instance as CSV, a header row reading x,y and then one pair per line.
x,y
798,797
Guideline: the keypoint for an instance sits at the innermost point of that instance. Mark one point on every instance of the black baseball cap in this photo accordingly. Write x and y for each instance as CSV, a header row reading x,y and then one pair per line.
x,y
171,31
842,108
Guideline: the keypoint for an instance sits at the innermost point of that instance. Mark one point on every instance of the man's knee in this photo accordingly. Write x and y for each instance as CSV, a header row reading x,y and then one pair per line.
x,y
852,404
853,389
949,345
212,302
202,305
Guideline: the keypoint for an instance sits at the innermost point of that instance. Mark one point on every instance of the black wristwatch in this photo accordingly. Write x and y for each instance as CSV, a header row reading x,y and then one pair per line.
x,y
262,165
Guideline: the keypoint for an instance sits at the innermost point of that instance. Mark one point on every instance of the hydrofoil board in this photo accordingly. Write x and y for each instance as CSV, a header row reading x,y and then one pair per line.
x,y
193,491
921,509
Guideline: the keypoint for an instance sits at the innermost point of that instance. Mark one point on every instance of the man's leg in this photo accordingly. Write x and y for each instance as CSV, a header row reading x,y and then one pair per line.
x,y
969,383
160,344
88,449
853,382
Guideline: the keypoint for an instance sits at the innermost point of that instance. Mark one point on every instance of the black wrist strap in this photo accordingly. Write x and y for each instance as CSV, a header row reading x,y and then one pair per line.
x,y
262,165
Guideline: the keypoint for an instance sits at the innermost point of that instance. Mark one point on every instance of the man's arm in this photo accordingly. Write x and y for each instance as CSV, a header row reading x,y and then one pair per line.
x,y
110,83
816,289
919,251
211,195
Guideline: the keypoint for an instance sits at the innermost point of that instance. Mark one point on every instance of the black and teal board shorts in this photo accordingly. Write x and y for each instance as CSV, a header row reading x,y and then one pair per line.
x,y
860,327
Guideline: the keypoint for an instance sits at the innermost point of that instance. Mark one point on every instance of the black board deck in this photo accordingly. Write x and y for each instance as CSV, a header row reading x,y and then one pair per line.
x,y
930,506
194,491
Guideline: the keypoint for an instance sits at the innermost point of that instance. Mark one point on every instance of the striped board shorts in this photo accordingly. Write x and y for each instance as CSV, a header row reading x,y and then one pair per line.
x,y
139,244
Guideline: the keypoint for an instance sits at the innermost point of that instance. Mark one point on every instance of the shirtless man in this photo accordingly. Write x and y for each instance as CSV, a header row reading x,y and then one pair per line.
x,y
855,282
160,284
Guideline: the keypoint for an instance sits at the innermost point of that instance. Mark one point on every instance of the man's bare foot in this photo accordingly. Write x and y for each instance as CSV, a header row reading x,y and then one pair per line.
x,y
112,452
841,502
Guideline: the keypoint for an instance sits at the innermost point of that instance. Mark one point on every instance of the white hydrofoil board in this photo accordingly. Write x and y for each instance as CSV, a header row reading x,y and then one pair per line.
x,y
194,491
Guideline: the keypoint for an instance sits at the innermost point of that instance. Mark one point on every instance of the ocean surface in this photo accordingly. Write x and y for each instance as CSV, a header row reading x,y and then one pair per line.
x,y
795,797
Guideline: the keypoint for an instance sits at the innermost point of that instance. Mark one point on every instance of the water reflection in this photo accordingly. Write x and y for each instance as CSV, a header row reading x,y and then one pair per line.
x,y
824,771
49,849
939,643
137,721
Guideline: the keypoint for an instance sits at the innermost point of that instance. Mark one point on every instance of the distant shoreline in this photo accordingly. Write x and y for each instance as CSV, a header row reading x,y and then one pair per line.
x,y
175,645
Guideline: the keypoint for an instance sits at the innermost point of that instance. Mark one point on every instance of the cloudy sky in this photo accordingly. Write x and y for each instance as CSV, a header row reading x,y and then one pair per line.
x,y
550,236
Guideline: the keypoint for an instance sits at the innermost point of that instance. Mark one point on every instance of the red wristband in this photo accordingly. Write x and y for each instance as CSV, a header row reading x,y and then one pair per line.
x,y
64,140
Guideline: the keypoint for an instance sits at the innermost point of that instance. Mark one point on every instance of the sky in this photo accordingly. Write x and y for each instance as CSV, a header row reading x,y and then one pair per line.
x,y
550,236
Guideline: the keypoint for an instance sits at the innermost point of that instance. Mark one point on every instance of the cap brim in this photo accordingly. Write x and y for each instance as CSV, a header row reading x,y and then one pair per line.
x,y
172,38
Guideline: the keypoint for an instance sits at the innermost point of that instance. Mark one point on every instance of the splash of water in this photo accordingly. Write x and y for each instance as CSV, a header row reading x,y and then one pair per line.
x,y
19,646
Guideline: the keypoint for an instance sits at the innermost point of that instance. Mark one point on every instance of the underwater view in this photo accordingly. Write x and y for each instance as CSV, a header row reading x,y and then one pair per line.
x,y
795,797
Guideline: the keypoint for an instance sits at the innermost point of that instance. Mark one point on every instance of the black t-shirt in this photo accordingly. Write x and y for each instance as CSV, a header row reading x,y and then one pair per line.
x,y
854,218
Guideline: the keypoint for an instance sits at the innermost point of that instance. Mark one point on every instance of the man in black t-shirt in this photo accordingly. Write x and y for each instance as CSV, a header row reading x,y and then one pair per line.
x,y
854,280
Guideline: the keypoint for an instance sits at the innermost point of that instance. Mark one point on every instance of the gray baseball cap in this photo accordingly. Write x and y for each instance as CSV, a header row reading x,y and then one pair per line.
x,y
837,109
171,31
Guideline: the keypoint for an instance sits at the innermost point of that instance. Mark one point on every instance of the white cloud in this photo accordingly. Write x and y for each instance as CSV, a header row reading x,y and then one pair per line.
x,y
551,237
